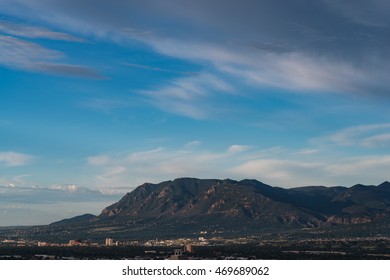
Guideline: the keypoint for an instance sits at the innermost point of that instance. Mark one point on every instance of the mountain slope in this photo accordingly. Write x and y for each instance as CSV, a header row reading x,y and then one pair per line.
x,y
187,206
250,200
208,199
82,219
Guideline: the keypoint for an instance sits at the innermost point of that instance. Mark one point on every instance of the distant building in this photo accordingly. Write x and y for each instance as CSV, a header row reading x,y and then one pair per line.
x,y
178,255
189,248
110,242
74,243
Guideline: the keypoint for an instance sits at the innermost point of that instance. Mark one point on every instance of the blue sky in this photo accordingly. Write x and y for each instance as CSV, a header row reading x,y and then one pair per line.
x,y
104,96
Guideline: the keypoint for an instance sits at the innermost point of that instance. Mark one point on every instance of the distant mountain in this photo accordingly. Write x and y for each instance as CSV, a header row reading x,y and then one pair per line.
x,y
251,200
85,218
187,206
211,202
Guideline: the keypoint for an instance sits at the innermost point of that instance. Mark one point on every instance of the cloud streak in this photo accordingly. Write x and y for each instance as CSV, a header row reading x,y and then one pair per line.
x,y
158,69
316,49
189,96
13,159
370,136
160,164
275,166
34,32
28,56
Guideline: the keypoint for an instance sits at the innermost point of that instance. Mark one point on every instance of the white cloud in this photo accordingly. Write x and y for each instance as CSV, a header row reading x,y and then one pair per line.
x,y
289,172
365,170
68,188
158,164
293,70
373,135
307,151
192,144
377,140
275,166
12,181
144,156
238,148
286,172
12,159
189,96
302,72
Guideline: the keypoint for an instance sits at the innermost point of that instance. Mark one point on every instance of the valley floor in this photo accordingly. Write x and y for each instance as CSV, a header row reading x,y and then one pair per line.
x,y
266,249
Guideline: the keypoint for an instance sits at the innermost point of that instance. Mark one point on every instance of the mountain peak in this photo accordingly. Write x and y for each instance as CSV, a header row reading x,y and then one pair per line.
x,y
385,184
189,205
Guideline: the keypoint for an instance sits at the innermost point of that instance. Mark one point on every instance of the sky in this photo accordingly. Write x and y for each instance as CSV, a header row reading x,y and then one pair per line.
x,y
98,97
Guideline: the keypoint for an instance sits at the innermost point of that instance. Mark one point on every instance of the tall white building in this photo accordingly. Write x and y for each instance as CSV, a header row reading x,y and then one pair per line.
x,y
109,242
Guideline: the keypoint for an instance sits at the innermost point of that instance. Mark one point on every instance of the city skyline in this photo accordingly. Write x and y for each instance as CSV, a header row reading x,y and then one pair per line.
x,y
98,97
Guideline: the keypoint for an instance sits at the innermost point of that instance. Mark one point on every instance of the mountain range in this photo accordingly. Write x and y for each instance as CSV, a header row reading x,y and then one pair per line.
x,y
188,206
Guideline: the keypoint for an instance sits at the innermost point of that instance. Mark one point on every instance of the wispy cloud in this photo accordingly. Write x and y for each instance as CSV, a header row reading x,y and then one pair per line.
x,y
295,70
283,172
290,172
159,69
377,140
276,166
288,50
293,50
238,148
372,135
21,54
365,169
188,96
35,32
192,144
12,181
286,64
68,70
157,164
12,159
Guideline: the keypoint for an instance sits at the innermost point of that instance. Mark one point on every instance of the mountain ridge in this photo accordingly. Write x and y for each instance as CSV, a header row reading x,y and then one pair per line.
x,y
188,205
